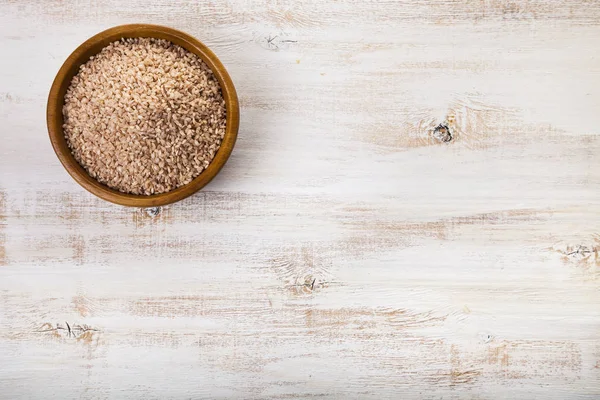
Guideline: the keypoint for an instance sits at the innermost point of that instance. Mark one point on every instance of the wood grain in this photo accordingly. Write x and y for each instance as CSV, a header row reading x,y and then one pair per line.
x,y
347,249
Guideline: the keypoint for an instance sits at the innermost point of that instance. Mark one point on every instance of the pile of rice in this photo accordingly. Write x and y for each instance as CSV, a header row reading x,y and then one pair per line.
x,y
144,116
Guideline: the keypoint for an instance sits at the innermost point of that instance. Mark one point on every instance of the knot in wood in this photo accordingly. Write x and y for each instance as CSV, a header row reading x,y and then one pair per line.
x,y
442,133
153,211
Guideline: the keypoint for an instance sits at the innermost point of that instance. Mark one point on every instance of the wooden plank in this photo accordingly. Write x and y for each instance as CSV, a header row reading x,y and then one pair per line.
x,y
347,249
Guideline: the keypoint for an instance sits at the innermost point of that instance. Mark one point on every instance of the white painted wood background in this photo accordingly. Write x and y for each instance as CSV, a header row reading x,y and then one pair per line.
x,y
343,252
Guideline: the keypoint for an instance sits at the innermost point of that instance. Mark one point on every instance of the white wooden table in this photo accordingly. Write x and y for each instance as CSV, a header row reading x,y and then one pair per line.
x,y
346,250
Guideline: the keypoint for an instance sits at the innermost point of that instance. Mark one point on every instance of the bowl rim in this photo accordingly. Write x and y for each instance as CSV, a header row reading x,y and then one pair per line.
x,y
92,46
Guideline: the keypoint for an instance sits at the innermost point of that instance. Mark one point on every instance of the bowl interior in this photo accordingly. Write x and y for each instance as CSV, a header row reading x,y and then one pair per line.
x,y
93,46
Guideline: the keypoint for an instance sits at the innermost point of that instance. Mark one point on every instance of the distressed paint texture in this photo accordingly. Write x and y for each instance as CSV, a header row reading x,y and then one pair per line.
x,y
348,249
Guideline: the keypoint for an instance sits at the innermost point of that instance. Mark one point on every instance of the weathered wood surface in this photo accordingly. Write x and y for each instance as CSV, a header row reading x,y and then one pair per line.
x,y
345,251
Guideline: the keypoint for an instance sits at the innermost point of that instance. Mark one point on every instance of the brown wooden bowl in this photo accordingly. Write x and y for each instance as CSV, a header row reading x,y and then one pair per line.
x,y
93,46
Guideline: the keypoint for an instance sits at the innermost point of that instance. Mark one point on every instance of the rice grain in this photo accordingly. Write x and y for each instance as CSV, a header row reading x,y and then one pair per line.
x,y
144,116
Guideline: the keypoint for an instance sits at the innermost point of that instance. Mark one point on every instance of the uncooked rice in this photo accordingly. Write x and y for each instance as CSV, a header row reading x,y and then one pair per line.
x,y
144,116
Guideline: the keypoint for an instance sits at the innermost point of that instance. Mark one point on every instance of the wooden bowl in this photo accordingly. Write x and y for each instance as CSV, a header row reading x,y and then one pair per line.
x,y
93,46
